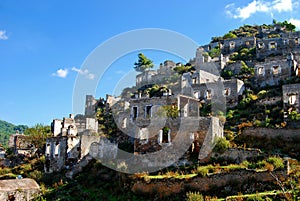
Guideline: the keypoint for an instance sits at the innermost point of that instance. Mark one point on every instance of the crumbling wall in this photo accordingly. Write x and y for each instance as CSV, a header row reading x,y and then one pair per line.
x,y
284,141
291,99
238,155
247,181
55,154
271,72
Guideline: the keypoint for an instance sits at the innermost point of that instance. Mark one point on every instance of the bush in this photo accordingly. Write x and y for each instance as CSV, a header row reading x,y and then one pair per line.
x,y
276,162
203,170
190,196
255,198
262,93
221,145
36,175
294,116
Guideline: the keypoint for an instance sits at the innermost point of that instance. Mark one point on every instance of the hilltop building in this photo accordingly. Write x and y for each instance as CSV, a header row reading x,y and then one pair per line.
x,y
20,144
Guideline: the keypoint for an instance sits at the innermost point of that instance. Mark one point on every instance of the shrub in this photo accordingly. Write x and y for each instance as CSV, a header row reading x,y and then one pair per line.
x,y
227,74
215,52
294,116
221,145
255,198
245,164
276,162
36,175
203,170
262,93
190,196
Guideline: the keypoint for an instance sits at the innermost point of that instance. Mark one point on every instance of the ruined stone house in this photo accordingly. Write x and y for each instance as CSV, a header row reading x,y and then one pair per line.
x,y
20,144
63,148
150,122
277,56
161,75
71,139
273,70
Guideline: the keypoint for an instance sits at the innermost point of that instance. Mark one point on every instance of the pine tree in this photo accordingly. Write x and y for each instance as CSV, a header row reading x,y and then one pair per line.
x,y
143,63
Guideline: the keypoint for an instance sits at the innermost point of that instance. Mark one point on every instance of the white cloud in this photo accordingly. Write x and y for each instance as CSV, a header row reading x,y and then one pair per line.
x,y
3,35
84,72
283,5
61,73
259,6
295,22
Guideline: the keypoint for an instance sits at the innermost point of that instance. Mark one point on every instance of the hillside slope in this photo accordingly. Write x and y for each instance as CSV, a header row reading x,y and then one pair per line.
x,y
6,129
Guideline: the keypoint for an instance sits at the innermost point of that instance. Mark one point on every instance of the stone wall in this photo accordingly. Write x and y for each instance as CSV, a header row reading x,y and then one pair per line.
x,y
238,155
234,44
272,71
287,134
233,88
90,105
275,141
55,154
246,181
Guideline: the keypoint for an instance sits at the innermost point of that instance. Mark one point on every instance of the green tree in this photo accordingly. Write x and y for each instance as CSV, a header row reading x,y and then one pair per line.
x,y
288,26
215,52
104,115
181,69
143,63
37,135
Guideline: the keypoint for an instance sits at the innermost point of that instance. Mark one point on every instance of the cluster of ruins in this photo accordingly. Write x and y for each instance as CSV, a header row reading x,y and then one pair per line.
x,y
147,119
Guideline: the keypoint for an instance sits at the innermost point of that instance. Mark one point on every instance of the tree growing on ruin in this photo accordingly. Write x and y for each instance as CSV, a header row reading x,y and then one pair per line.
x,y
143,63
37,135
181,69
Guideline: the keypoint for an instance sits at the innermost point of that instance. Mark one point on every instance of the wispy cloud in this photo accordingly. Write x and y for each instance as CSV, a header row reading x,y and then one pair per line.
x,y
84,72
61,73
3,35
261,6
295,22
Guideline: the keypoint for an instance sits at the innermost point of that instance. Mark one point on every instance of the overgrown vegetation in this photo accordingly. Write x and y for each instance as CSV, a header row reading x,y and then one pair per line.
x,y
253,30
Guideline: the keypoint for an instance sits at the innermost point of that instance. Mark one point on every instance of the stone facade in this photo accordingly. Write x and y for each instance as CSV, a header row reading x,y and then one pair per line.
x,y
272,71
63,148
20,144
291,100
67,146
229,46
90,105
161,75
147,120
232,90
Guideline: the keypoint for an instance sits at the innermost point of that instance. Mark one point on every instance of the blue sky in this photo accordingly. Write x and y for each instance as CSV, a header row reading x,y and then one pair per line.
x,y
43,44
